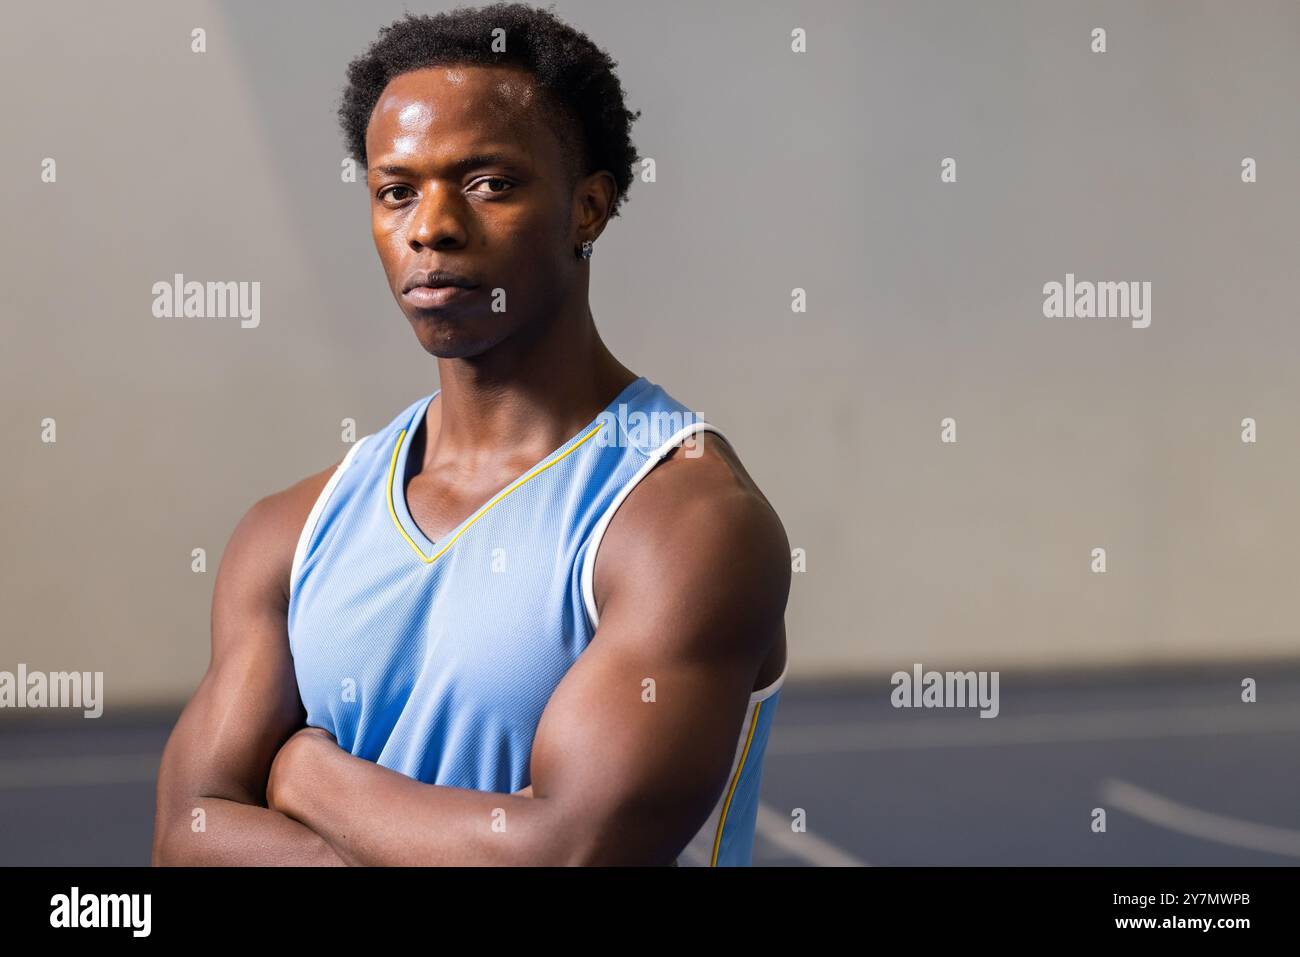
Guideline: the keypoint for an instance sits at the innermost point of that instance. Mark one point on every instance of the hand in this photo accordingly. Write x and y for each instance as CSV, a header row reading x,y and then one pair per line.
x,y
288,764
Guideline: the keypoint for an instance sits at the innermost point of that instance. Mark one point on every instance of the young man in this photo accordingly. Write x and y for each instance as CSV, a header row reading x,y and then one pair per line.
x,y
519,626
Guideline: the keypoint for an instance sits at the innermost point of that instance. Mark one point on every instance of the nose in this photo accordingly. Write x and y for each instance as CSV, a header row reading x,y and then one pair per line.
x,y
436,221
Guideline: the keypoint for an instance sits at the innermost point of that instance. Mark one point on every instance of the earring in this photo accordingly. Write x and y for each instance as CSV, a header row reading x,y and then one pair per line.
x,y
585,251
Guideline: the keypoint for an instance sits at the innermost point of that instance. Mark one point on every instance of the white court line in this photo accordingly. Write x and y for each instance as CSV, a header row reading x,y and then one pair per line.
x,y
973,731
1162,812
775,828
18,773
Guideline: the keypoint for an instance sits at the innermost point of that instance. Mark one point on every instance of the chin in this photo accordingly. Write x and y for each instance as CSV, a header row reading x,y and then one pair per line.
x,y
446,339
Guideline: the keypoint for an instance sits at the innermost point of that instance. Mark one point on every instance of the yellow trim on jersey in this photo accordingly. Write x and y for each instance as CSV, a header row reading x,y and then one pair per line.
x,y
731,791
427,559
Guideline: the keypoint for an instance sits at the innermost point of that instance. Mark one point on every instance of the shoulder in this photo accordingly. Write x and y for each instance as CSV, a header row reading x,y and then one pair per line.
x,y
263,543
697,525
266,537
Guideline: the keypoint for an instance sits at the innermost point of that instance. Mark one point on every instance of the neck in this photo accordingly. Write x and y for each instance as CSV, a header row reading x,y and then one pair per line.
x,y
526,396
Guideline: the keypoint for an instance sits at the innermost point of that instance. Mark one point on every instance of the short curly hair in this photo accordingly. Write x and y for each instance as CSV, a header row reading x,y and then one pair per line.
x,y
578,76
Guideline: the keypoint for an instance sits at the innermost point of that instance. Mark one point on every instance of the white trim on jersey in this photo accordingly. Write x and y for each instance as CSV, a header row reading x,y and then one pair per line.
x,y
589,560
313,517
709,836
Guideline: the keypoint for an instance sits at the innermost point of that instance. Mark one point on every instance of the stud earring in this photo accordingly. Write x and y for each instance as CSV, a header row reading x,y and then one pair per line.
x,y
584,252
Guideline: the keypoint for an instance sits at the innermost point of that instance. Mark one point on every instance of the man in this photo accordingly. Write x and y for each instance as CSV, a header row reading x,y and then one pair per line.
x,y
518,628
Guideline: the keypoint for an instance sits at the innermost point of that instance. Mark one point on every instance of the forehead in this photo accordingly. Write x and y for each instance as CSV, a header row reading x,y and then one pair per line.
x,y
449,106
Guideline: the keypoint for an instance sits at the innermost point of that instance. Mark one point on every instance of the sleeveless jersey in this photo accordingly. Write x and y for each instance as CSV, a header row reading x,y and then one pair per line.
x,y
436,658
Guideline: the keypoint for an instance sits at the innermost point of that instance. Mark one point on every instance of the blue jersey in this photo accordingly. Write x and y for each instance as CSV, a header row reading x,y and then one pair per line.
x,y
436,658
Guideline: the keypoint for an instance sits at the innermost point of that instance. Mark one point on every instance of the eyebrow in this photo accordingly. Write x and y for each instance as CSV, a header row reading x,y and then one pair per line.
x,y
458,166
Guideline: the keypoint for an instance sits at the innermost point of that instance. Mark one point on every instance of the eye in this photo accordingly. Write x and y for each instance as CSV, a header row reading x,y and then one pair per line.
x,y
495,179
387,191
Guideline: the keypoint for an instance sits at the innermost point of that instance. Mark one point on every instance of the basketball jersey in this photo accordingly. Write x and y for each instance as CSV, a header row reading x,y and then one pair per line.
x,y
436,658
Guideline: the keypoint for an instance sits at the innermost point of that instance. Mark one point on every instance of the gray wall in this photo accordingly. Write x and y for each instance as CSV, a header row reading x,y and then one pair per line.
x,y
775,170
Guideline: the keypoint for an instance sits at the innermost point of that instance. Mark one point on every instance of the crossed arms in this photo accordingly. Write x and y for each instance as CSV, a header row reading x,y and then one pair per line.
x,y
694,601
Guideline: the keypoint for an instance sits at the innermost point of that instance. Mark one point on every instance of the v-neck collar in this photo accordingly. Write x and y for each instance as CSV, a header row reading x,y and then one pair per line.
x,y
428,550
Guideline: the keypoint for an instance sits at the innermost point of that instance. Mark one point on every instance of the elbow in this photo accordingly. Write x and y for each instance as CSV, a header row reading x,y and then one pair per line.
x,y
174,847
557,836
612,853
576,851
561,833
163,853
171,845
617,842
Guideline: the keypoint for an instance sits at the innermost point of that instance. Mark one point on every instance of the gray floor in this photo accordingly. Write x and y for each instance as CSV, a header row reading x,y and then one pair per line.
x,y
1187,773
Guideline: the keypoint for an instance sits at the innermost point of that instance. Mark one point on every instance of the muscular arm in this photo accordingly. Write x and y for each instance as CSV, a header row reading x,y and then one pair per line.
x,y
691,585
218,756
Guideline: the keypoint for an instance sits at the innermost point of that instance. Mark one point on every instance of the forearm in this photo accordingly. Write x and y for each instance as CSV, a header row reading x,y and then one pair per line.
x,y
241,834
372,815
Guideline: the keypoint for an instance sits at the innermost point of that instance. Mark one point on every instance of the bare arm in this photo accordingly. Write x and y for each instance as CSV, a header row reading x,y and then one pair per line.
x,y
212,782
691,594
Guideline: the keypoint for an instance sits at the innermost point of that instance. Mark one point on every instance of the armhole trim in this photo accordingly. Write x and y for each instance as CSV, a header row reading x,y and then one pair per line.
x,y
589,560
762,694
655,457
313,517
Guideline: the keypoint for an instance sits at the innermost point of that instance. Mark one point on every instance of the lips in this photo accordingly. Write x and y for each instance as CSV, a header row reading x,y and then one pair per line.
x,y
436,279
426,297
427,289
